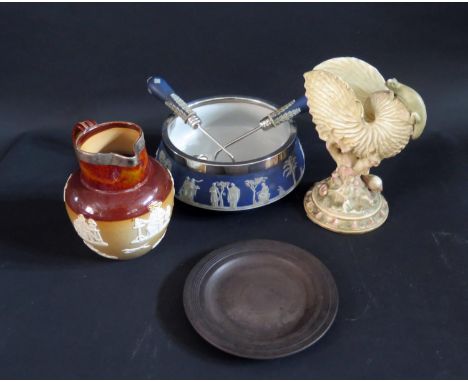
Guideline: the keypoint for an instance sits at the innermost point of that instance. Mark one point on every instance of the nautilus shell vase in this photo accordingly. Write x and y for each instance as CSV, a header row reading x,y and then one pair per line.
x,y
120,200
363,119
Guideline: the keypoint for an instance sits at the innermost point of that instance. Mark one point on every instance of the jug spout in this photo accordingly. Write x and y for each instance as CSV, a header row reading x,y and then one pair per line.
x,y
112,155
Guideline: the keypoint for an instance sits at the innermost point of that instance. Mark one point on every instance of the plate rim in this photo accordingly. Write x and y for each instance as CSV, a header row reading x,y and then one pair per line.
x,y
209,261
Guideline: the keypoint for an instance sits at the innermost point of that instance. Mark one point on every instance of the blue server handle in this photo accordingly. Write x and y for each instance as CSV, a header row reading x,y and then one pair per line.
x,y
160,88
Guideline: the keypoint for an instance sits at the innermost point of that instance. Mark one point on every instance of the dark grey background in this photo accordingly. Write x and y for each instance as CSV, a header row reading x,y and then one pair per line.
x,y
66,313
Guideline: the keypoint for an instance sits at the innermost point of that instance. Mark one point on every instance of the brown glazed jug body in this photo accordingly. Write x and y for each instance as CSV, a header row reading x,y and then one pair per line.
x,y
120,201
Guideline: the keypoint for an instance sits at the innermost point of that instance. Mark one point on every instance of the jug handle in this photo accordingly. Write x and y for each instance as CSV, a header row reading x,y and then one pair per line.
x,y
82,127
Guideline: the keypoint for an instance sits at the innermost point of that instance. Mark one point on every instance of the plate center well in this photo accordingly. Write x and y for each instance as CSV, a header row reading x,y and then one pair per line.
x,y
260,295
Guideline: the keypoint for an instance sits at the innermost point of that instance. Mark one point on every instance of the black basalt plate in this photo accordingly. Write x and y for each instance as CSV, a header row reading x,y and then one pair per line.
x,y
260,299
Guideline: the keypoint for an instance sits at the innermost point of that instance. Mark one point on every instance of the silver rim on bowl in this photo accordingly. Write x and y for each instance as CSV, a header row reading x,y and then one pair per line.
x,y
242,167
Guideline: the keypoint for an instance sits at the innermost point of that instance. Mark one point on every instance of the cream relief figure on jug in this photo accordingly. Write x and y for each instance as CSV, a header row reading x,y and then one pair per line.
x,y
363,119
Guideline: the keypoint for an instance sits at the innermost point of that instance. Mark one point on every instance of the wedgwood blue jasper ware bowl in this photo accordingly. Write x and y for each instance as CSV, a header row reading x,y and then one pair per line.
x,y
269,163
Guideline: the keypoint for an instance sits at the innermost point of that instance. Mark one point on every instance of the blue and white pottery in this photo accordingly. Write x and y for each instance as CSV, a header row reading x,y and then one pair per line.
x,y
269,163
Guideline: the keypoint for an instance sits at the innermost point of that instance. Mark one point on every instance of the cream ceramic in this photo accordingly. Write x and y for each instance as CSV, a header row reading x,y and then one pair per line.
x,y
363,119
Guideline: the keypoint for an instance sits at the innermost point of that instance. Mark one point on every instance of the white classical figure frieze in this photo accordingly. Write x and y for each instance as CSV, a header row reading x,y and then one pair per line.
x,y
233,196
289,167
189,188
260,190
89,231
220,190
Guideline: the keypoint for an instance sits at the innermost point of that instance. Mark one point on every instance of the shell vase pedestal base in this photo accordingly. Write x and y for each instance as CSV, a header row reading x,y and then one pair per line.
x,y
346,209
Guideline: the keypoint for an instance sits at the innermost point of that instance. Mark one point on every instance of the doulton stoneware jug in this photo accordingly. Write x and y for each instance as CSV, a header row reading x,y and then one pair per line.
x,y
120,200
